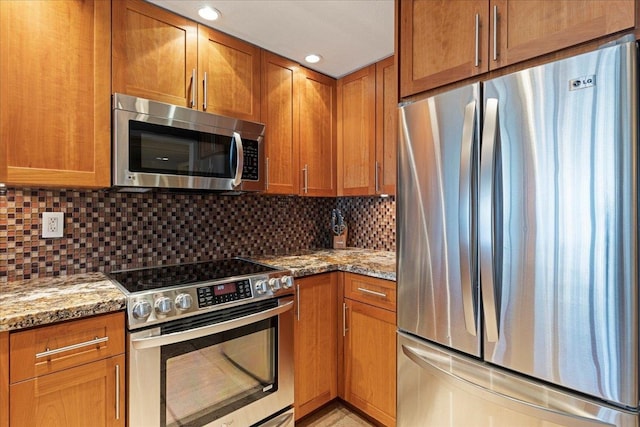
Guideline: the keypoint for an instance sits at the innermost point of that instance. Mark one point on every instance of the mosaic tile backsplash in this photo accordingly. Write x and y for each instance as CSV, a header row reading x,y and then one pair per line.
x,y
106,230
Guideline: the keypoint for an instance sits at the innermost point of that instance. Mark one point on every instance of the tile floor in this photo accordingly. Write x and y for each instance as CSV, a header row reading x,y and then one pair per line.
x,y
334,415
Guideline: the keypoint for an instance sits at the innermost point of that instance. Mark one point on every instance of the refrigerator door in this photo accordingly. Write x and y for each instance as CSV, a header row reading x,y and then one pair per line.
x,y
440,388
558,223
436,272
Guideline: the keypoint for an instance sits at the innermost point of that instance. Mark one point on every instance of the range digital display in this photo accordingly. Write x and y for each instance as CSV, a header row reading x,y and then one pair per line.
x,y
226,288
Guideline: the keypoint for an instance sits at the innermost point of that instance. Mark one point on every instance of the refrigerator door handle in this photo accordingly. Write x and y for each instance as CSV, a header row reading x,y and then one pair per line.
x,y
464,217
487,215
423,360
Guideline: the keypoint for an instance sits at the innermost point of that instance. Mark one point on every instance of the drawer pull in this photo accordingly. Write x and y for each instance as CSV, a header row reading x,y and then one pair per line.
x,y
370,292
94,341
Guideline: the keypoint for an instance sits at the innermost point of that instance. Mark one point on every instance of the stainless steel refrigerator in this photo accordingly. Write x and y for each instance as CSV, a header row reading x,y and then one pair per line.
x,y
518,249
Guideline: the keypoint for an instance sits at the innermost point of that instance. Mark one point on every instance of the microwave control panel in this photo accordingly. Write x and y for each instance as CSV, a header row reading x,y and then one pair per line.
x,y
250,171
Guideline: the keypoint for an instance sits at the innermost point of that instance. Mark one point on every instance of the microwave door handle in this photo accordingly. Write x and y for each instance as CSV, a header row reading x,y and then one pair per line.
x,y
240,165
216,328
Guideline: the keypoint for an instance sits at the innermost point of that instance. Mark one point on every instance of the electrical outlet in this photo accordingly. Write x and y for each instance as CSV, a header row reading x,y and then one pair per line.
x,y
52,224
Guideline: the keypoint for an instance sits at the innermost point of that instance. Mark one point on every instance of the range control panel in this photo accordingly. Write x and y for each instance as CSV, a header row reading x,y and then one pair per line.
x,y
222,293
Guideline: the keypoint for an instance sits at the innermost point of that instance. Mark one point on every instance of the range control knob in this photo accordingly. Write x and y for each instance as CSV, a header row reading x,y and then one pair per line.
x,y
141,310
184,301
287,282
274,284
261,287
163,305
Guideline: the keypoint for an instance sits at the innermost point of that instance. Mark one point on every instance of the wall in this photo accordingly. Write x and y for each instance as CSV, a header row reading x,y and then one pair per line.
x,y
106,231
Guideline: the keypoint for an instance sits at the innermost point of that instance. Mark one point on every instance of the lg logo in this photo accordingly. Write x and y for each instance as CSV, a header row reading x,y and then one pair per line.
x,y
582,82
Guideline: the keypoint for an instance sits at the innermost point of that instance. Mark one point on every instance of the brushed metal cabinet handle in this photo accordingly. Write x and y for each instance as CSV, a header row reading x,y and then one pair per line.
x,y
476,62
204,98
377,177
305,173
117,392
344,319
194,86
94,341
298,302
495,32
370,292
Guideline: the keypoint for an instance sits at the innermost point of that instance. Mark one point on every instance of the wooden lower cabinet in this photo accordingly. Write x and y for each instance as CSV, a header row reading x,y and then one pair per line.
x,y
315,342
68,374
91,394
4,379
369,346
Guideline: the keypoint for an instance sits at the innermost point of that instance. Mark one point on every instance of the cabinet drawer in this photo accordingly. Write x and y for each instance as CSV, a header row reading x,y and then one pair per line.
x,y
378,292
48,349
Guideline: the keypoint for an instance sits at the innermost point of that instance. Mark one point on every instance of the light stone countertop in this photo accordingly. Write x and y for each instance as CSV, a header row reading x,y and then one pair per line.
x,y
42,301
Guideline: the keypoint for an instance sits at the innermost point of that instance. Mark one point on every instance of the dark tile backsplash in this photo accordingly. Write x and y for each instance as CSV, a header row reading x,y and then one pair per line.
x,y
107,231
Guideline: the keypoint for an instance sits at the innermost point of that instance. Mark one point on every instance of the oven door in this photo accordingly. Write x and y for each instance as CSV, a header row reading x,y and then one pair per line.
x,y
229,367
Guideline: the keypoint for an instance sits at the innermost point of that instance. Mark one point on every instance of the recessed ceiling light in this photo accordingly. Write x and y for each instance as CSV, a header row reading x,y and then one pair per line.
x,y
313,58
209,13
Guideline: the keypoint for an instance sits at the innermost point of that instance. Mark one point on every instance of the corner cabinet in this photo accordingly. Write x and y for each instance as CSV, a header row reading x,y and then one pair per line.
x,y
315,342
69,374
162,56
447,41
55,112
317,134
369,346
367,130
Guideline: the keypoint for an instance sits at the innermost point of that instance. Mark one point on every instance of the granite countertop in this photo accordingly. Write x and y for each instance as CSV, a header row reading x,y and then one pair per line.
x,y
381,264
42,301
47,300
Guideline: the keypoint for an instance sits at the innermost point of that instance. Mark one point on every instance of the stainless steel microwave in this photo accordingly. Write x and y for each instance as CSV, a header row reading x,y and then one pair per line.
x,y
158,145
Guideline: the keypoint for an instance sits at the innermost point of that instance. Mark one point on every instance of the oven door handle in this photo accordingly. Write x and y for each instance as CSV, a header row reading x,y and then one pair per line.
x,y
176,337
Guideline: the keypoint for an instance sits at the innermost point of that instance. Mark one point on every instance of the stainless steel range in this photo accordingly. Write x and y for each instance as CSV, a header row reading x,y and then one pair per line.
x,y
210,344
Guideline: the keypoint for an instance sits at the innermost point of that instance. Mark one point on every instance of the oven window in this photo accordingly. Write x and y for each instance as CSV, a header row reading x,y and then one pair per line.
x,y
207,378
162,149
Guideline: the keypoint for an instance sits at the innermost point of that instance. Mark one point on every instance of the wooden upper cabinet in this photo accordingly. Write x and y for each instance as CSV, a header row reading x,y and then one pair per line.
x,y
317,134
280,113
154,53
528,28
386,126
229,72
162,56
356,159
441,41
444,41
55,110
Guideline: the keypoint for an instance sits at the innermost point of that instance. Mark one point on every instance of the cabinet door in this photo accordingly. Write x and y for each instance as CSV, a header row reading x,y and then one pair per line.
x,y
386,126
229,75
529,28
154,53
280,114
317,134
4,379
370,360
55,110
315,342
441,41
91,394
356,157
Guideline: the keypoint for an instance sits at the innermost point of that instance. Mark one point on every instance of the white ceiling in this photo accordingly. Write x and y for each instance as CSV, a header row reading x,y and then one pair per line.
x,y
348,34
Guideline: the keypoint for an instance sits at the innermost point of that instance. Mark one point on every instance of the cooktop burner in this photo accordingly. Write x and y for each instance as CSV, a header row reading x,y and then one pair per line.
x,y
162,277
